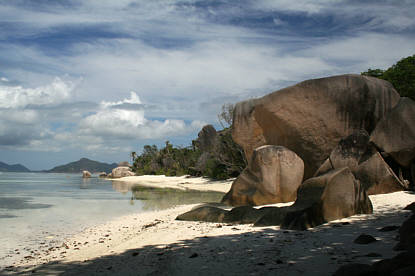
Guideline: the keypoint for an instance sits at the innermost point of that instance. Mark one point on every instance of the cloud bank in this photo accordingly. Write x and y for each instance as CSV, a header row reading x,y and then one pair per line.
x,y
67,68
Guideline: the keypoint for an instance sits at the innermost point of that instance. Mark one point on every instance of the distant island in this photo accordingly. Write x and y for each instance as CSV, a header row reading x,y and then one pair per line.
x,y
83,164
13,168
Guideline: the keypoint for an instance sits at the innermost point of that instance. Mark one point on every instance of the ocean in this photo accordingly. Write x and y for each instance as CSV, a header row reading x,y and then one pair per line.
x,y
35,207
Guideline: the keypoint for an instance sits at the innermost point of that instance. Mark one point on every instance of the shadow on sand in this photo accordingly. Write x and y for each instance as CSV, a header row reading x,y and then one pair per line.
x,y
264,251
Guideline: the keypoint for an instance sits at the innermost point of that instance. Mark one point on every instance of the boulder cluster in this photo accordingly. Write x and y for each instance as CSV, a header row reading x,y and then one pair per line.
x,y
325,143
122,170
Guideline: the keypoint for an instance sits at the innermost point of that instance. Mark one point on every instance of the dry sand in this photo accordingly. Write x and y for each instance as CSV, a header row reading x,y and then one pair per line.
x,y
154,243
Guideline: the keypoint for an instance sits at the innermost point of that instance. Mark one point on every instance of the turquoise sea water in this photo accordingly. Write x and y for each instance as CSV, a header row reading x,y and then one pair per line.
x,y
39,206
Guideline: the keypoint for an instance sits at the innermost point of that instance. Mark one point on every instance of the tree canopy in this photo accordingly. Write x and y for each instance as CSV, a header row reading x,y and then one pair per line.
x,y
401,75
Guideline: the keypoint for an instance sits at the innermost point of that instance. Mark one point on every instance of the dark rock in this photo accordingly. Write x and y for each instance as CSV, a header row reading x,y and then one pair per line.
x,y
407,234
355,270
394,265
373,255
389,228
194,255
406,271
328,197
395,132
377,177
410,207
272,216
350,151
365,239
244,215
205,213
311,117
365,162
272,176
207,138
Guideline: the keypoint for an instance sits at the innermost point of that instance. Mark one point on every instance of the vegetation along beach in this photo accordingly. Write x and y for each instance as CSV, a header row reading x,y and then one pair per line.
x,y
207,137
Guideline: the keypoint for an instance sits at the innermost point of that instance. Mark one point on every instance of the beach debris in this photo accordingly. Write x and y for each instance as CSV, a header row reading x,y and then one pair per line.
x,y
365,239
151,224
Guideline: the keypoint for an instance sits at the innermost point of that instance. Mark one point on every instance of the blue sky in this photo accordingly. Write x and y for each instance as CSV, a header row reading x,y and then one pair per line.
x,y
102,78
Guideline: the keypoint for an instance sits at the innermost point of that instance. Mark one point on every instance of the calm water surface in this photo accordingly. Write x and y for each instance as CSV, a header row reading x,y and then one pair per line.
x,y
38,206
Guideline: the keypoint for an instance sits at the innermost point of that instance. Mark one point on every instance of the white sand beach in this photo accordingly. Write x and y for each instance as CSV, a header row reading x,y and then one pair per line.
x,y
154,243
177,182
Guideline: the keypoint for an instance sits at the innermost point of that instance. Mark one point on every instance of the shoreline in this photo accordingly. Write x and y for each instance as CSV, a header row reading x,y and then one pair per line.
x,y
177,182
154,242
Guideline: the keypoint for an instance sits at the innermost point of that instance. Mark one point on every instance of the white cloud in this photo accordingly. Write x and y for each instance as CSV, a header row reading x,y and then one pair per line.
x,y
112,121
19,97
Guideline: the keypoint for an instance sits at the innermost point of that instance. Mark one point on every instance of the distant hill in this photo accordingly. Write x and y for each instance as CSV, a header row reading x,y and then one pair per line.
x,y
84,164
12,168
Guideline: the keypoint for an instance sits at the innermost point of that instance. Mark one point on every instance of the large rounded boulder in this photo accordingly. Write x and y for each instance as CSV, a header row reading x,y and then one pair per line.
x,y
395,133
334,195
272,176
311,117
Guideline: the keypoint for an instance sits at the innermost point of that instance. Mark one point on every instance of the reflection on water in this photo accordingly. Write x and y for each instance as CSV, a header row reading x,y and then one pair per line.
x,y
121,187
85,182
162,198
20,203
7,216
155,198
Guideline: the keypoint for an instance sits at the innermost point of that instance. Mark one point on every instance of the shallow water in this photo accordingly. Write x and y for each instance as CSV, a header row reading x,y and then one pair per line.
x,y
35,207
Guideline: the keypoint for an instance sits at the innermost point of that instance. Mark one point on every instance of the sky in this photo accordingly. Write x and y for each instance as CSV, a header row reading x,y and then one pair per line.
x,y
101,78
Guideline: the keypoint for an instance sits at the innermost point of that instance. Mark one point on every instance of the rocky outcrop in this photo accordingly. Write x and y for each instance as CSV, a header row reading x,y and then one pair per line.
x,y
377,177
311,117
395,133
86,174
273,175
102,175
121,172
205,213
407,235
365,162
207,138
220,157
328,197
331,196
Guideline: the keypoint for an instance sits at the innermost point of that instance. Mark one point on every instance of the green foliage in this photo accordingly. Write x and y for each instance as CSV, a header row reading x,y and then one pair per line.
x,y
401,75
225,160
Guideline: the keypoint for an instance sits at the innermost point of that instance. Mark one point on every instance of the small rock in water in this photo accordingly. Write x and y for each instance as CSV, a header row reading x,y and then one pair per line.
x,y
364,239
194,255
